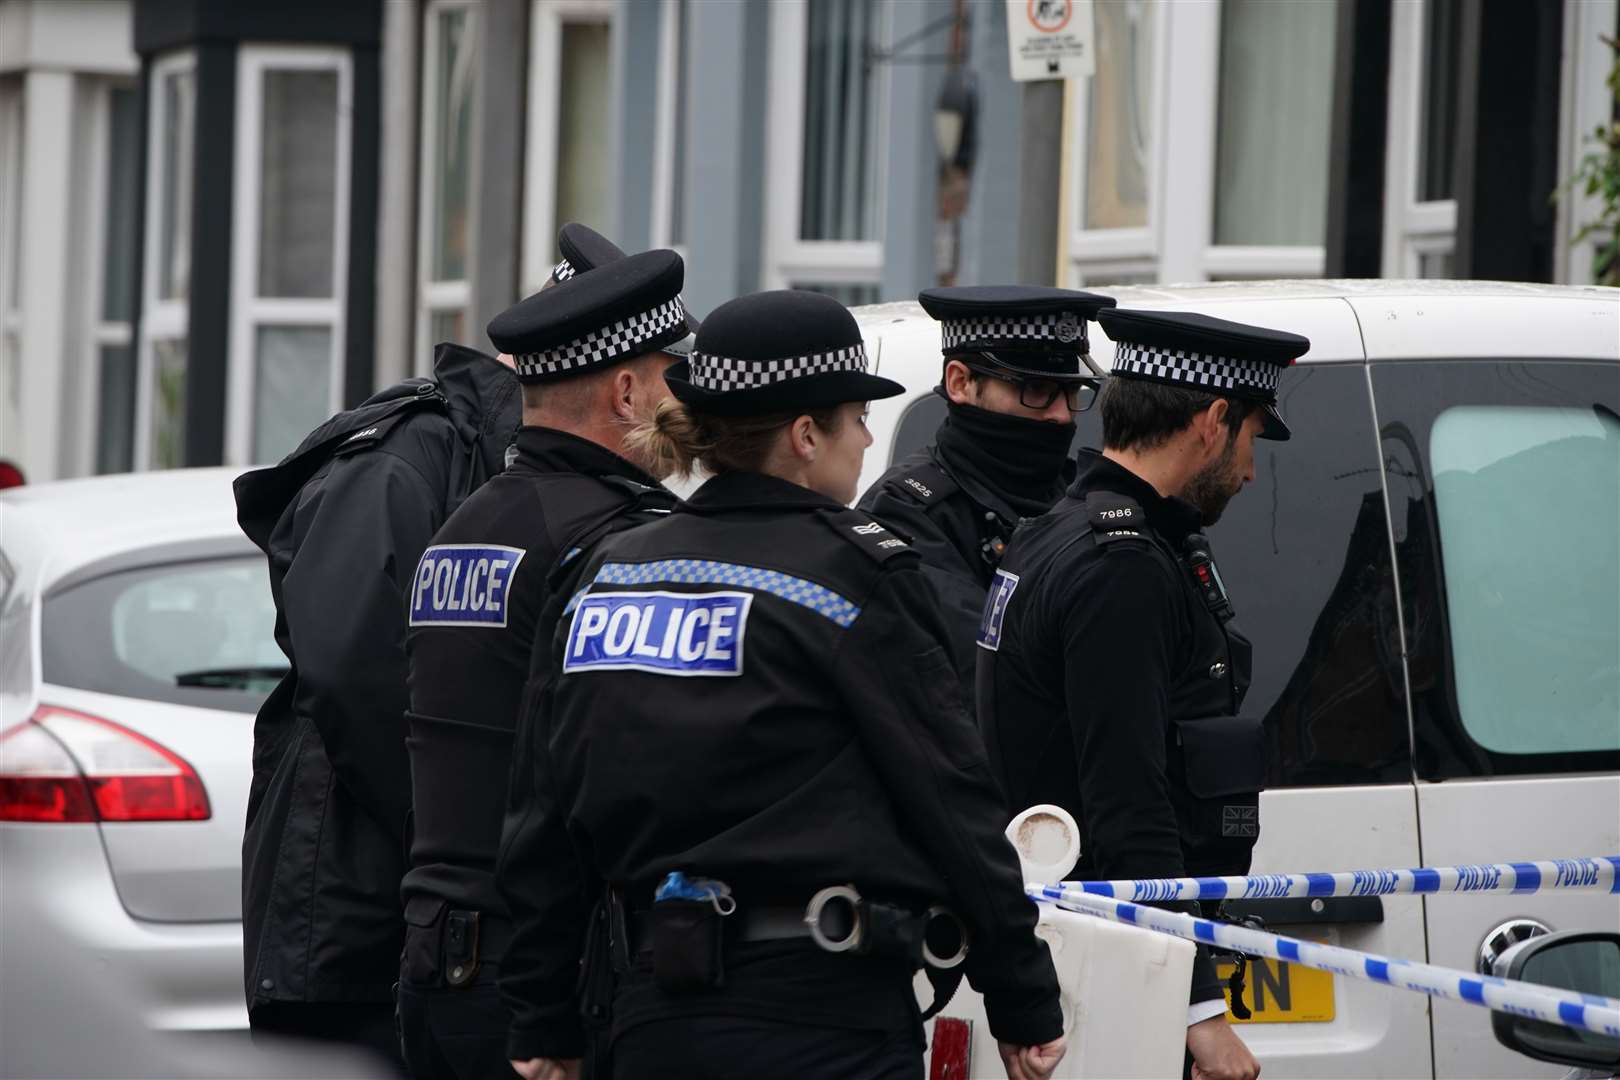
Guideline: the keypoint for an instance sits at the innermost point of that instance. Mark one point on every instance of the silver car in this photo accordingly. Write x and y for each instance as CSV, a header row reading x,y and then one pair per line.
x,y
135,647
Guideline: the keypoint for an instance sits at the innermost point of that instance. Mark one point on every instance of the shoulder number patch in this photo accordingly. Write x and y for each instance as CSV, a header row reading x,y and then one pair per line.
x,y
664,633
464,585
995,610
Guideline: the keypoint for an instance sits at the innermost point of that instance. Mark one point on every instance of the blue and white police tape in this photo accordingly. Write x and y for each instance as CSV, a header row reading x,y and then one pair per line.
x,y
1596,874
1588,1012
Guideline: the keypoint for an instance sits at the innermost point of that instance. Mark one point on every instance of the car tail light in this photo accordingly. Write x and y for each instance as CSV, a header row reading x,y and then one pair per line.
x,y
70,766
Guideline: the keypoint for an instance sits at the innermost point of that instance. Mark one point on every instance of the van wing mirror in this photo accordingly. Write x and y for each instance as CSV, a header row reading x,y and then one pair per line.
x,y
1583,961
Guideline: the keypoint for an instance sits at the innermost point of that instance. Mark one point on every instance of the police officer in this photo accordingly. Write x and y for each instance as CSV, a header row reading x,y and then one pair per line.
x,y
588,354
754,720
1107,640
344,520
1016,371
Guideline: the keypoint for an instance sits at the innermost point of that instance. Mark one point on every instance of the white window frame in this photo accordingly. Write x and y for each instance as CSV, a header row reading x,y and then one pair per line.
x,y
161,320
1585,103
99,332
790,260
1412,228
1178,241
436,297
250,311
671,97
11,318
545,116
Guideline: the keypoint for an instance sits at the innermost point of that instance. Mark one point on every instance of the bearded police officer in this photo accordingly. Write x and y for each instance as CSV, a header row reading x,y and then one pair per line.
x,y
589,355
344,520
1016,371
753,738
1111,678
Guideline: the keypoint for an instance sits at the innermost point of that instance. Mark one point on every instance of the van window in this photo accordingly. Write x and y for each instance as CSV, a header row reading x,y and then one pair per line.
x,y
1528,499
191,633
917,426
1504,489
1304,551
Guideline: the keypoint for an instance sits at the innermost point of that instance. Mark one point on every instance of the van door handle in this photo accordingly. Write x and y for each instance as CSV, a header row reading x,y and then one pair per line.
x,y
1311,911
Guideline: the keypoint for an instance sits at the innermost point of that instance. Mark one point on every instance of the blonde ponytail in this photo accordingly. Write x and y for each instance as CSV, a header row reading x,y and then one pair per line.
x,y
672,442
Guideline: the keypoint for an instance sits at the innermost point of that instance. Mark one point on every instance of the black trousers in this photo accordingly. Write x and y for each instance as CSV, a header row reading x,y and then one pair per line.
x,y
367,1026
743,1048
454,1033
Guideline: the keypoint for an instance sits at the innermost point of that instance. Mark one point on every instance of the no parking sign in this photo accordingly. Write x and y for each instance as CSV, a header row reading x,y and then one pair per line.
x,y
1050,39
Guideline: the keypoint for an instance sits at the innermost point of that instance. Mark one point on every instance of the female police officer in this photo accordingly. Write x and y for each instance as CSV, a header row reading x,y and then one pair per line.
x,y
752,713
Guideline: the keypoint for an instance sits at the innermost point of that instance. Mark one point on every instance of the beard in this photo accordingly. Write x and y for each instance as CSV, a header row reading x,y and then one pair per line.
x,y
1213,486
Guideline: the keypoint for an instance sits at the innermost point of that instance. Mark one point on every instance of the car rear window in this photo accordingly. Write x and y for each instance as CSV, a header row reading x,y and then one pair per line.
x,y
192,633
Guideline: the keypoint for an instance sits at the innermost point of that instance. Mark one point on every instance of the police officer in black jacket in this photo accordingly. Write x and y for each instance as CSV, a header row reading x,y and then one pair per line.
x,y
344,520
1111,677
1016,371
751,706
588,353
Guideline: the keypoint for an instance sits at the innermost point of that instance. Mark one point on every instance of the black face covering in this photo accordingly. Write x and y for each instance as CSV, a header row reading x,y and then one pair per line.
x,y
1019,458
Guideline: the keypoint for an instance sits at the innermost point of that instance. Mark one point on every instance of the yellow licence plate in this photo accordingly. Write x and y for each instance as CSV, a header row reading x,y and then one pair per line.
x,y
1282,993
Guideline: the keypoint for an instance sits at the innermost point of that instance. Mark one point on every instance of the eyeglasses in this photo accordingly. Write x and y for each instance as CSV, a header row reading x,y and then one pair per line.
x,y
1037,393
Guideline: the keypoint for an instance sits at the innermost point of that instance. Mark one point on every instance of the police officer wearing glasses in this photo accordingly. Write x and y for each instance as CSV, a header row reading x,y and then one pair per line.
x,y
1016,371
753,753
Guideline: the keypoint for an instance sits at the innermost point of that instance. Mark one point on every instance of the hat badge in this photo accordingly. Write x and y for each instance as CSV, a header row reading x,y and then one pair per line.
x,y
1068,327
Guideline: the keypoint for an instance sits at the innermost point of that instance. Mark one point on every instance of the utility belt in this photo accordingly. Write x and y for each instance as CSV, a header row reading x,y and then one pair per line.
x,y
686,932
447,946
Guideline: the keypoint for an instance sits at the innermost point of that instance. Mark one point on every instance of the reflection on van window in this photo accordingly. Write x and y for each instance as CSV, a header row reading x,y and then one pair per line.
x,y
1527,500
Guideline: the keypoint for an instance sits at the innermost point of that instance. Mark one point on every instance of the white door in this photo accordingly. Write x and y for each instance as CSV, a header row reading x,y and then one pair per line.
x,y
1508,473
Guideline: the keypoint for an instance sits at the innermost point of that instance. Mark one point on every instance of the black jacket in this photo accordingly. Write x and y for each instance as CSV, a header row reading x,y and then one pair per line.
x,y
1107,686
344,519
818,738
957,505
481,590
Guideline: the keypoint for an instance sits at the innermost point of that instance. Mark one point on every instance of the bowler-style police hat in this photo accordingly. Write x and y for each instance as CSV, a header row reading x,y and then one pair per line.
x,y
583,248
777,352
1228,359
1022,329
600,317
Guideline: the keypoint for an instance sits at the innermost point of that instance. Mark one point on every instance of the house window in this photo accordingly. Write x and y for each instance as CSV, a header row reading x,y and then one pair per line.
x,y
449,79
290,247
570,97
1420,204
161,387
115,132
828,109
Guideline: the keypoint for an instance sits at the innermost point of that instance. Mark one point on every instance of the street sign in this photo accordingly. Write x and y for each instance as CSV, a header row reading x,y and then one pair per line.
x,y
1050,39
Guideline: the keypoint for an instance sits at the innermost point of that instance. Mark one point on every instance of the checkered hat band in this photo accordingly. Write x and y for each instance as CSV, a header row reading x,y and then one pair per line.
x,y
722,373
1064,329
563,271
1197,369
627,337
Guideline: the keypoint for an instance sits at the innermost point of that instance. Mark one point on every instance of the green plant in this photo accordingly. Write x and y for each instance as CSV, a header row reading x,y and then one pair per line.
x,y
1599,175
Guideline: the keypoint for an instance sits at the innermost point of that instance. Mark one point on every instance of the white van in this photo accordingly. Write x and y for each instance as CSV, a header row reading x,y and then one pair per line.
x,y
1430,571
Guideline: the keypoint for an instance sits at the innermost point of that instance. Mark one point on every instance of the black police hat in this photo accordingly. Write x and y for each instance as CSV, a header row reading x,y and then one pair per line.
x,y
776,352
583,248
604,316
1024,329
1183,348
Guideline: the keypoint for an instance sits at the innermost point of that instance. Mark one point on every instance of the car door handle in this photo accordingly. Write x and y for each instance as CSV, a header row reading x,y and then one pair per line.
x,y
1311,911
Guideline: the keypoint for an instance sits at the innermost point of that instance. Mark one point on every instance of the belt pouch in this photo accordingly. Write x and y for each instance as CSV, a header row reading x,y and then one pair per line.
x,y
891,932
688,946
423,927
460,947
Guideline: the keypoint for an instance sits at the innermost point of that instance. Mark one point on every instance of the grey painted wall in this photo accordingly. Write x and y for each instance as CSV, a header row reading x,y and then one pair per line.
x,y
635,121
911,206
497,188
990,226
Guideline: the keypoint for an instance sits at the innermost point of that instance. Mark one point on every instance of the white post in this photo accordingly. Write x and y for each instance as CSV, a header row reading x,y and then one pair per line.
x,y
43,264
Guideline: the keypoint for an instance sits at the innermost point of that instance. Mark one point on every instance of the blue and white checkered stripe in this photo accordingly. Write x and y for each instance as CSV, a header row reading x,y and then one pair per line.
x,y
1066,329
724,373
1586,1012
1600,874
818,598
1202,370
605,345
